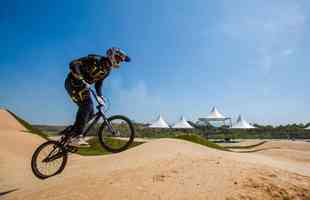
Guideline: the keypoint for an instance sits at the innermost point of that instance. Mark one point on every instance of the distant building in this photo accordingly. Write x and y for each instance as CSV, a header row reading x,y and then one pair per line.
x,y
159,123
182,123
215,116
242,124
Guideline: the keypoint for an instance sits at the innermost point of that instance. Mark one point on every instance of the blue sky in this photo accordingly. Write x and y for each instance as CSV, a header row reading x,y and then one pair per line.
x,y
245,57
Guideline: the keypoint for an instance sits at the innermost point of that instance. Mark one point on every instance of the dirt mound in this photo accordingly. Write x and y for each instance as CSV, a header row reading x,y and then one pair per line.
x,y
16,148
284,150
8,122
160,169
287,144
167,169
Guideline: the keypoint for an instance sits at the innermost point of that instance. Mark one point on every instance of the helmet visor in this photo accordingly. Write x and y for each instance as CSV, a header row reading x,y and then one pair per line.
x,y
120,59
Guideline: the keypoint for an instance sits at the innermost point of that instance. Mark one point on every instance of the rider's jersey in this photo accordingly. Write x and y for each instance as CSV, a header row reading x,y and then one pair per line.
x,y
90,68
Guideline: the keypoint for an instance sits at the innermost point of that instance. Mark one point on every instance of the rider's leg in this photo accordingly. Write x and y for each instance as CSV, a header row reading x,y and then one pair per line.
x,y
81,96
83,115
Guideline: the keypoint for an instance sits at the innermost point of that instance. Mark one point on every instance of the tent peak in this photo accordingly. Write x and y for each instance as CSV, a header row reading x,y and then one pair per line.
x,y
182,123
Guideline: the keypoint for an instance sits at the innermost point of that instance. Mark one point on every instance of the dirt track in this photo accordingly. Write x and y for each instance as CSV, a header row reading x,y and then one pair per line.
x,y
160,169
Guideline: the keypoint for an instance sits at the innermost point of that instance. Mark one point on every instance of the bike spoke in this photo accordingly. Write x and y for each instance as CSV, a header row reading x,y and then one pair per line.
x,y
48,162
116,134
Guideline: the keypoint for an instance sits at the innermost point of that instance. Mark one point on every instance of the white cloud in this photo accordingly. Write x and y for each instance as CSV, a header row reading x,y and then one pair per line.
x,y
142,104
137,102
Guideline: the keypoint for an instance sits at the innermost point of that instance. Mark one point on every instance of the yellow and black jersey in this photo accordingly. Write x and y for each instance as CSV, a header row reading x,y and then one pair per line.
x,y
91,68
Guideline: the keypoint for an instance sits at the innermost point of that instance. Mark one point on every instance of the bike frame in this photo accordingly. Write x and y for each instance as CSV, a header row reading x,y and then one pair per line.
x,y
95,118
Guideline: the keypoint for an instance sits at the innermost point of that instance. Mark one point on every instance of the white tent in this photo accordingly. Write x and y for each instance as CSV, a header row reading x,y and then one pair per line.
x,y
215,115
159,123
242,124
182,123
307,128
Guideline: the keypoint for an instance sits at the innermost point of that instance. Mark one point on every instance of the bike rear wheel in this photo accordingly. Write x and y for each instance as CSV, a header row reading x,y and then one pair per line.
x,y
49,159
117,135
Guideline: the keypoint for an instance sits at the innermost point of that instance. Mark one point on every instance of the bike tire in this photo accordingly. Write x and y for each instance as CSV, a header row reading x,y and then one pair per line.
x,y
35,155
130,137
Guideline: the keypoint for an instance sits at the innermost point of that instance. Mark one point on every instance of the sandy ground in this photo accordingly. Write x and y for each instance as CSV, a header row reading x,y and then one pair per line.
x,y
159,169
285,150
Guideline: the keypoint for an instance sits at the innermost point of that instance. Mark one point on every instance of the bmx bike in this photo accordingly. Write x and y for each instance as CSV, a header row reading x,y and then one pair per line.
x,y
115,133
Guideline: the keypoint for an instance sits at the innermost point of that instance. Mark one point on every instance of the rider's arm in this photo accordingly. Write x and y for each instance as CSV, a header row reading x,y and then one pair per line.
x,y
98,87
75,69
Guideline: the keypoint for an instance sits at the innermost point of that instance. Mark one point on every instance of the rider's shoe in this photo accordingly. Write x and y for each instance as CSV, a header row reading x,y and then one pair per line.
x,y
79,142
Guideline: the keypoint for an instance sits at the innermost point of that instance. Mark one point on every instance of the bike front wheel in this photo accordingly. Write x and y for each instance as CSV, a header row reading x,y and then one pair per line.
x,y
117,134
49,159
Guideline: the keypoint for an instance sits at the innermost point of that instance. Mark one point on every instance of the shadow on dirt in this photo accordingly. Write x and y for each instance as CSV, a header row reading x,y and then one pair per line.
x,y
247,146
7,192
256,150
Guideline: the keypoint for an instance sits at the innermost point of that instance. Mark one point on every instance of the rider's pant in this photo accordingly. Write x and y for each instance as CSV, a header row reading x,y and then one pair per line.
x,y
80,95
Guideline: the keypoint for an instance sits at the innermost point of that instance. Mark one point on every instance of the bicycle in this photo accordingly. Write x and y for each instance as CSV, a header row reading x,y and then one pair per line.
x,y
115,134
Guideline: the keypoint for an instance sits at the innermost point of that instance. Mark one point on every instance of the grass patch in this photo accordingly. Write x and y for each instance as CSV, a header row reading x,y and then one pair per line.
x,y
200,140
28,126
96,148
246,147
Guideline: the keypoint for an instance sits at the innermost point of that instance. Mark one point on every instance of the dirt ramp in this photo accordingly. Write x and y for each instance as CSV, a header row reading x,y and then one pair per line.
x,y
15,140
8,122
287,144
16,148
291,152
167,169
297,152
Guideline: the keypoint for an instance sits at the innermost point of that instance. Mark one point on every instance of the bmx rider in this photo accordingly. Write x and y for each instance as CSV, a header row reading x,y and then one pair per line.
x,y
84,72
